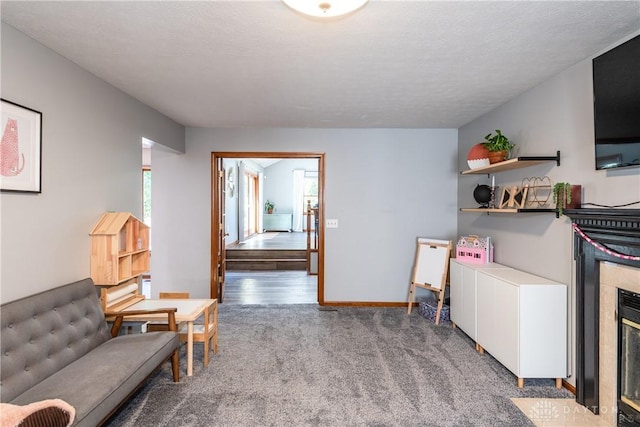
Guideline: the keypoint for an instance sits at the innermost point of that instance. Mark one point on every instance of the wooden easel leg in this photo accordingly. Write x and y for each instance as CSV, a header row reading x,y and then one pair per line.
x,y
558,382
520,382
440,303
411,291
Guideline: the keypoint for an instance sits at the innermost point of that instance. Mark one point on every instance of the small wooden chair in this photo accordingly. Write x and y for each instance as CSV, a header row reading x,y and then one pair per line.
x,y
205,332
430,270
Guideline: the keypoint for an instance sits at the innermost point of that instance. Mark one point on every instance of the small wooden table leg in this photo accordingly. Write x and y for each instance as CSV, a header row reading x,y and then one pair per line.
x,y
189,349
520,382
558,382
453,325
479,348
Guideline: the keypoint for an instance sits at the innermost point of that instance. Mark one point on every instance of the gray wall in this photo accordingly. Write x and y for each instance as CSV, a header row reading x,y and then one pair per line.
x,y
91,162
555,115
386,187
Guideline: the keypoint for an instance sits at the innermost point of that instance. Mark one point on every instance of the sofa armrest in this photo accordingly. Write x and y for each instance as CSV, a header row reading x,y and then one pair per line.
x,y
120,315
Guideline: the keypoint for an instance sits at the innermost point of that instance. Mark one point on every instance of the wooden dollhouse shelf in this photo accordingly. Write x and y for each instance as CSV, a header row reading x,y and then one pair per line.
x,y
511,164
119,249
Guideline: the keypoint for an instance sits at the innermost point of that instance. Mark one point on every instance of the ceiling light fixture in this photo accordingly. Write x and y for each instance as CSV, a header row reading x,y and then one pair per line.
x,y
325,8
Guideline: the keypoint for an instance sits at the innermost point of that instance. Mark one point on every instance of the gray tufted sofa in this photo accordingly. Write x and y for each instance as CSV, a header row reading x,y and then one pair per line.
x,y
57,345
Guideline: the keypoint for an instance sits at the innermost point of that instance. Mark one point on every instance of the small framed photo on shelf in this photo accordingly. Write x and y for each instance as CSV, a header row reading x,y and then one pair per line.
x,y
513,197
20,149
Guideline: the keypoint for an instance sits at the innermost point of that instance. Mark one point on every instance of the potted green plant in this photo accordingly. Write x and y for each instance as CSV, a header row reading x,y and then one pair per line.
x,y
269,206
498,145
566,196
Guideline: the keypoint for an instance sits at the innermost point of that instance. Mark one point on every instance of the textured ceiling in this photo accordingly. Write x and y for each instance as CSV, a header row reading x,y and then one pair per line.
x,y
392,64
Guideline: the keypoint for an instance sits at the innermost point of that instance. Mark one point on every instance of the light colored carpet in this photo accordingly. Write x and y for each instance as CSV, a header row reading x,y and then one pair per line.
x,y
298,365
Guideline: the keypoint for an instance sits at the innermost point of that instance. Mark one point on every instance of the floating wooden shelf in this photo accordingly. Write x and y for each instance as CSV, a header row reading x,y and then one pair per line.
x,y
517,163
511,164
507,210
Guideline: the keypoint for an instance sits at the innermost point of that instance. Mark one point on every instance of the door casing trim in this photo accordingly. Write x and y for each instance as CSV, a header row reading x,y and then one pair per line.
x,y
215,231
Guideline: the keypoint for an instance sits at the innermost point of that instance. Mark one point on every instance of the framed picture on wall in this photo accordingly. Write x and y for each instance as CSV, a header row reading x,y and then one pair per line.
x,y
20,149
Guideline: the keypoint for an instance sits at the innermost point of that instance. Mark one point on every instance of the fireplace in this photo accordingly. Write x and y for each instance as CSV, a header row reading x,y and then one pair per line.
x,y
601,235
628,358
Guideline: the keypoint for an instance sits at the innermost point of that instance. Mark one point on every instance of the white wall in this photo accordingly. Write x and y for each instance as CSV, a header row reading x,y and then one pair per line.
x,y
385,186
555,115
278,182
91,162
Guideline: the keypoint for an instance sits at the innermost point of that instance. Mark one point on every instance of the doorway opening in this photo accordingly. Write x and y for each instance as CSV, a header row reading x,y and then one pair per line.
x,y
242,205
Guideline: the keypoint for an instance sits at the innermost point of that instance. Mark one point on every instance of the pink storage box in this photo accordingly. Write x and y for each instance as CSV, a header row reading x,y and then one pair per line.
x,y
474,250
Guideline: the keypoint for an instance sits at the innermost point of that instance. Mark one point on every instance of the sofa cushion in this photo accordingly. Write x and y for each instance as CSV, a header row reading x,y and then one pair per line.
x,y
43,333
99,381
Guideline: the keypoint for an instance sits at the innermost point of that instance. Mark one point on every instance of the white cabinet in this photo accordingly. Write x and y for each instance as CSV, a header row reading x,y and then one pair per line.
x,y
520,318
276,222
497,320
462,280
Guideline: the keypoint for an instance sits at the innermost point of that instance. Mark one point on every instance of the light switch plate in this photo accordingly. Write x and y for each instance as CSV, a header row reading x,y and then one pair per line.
x,y
332,223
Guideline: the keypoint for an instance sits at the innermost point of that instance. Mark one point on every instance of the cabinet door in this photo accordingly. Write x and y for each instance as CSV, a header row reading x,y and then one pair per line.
x,y
469,301
507,325
486,307
463,298
543,331
456,306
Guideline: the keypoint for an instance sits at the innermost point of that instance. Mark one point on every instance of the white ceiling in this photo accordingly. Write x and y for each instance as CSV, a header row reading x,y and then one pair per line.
x,y
392,64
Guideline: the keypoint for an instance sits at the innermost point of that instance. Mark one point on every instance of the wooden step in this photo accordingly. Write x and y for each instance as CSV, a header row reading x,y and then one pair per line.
x,y
266,259
266,254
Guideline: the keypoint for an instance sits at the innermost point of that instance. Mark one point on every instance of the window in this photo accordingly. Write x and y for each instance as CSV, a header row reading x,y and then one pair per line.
x,y
310,190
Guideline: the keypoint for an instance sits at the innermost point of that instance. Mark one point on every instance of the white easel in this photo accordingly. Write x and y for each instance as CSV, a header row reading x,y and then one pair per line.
x,y
430,270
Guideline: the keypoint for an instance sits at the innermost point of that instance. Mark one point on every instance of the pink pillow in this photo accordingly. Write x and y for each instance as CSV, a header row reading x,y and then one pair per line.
x,y
46,413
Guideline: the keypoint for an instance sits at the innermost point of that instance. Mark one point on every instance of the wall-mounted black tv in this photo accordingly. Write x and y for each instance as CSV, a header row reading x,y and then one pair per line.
x,y
616,95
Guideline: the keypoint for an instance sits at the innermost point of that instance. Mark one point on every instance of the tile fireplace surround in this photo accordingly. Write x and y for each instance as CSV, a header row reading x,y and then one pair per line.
x,y
598,276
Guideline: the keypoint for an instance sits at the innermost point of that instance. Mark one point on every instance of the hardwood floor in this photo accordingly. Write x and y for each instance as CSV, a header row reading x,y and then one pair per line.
x,y
270,287
273,240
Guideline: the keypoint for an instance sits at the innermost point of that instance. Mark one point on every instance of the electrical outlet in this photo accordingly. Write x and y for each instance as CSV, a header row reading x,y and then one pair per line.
x,y
332,223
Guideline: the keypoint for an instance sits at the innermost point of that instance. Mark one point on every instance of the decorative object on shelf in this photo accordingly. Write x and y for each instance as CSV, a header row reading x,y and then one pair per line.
x,y
566,196
482,194
269,206
474,249
499,147
478,156
539,190
513,197
20,149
